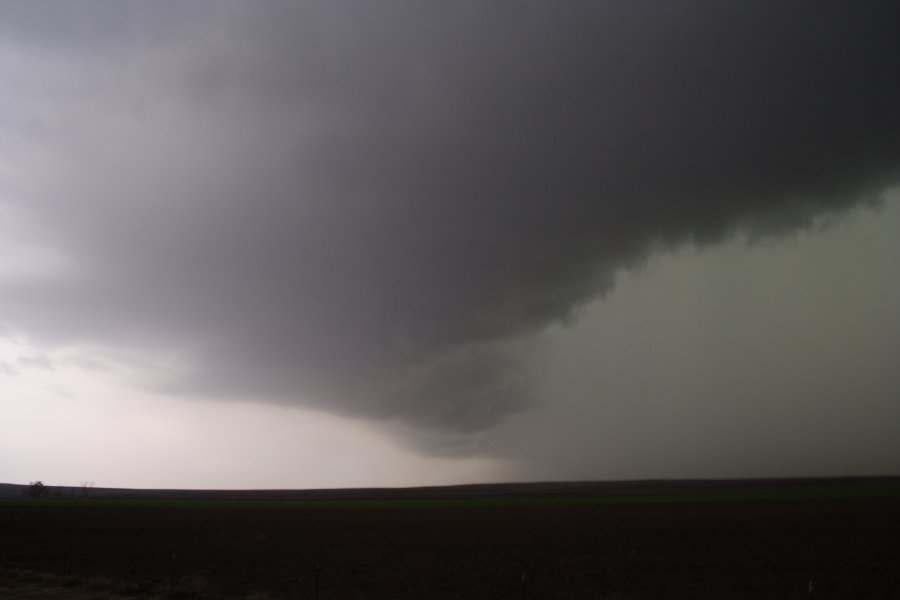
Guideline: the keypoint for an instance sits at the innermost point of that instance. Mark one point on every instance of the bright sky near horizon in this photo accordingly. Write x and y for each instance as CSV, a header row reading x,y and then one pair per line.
x,y
301,244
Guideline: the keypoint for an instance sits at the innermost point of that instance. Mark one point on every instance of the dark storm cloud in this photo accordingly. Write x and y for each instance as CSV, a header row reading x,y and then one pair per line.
x,y
373,207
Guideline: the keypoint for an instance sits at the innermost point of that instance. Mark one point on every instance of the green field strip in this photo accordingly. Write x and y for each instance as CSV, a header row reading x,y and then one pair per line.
x,y
485,502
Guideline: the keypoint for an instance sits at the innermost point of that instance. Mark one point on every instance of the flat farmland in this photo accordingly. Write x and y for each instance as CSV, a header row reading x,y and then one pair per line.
x,y
627,541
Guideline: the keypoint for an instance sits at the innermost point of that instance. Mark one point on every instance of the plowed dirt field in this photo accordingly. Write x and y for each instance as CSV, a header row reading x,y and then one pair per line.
x,y
798,548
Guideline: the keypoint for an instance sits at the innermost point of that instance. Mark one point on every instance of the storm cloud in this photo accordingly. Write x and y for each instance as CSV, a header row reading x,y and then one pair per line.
x,y
374,208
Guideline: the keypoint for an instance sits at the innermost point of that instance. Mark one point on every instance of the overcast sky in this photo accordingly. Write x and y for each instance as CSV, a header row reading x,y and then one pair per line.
x,y
310,244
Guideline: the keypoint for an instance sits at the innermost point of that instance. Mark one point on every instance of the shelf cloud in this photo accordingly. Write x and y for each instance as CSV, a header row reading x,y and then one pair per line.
x,y
374,208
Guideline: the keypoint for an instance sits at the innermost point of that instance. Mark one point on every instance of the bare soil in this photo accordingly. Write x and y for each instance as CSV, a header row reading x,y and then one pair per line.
x,y
844,548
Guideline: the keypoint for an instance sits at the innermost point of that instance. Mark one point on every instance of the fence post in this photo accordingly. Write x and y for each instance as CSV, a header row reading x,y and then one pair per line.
x,y
318,569
172,574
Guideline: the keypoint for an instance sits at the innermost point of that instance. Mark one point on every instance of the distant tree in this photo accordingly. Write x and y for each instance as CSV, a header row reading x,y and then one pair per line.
x,y
86,487
37,489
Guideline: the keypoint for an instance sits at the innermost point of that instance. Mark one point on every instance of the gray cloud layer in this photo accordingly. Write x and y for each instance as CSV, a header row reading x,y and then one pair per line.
x,y
372,207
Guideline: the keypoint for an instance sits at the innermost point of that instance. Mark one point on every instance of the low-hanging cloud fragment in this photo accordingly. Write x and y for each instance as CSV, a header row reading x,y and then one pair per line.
x,y
373,208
